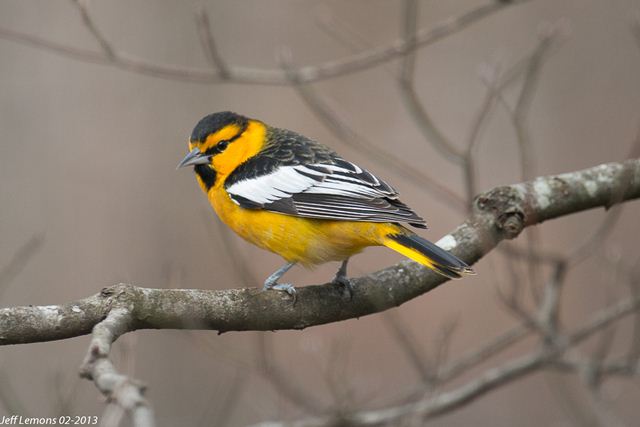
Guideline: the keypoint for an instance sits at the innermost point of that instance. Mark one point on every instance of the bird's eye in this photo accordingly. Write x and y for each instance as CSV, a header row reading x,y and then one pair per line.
x,y
222,145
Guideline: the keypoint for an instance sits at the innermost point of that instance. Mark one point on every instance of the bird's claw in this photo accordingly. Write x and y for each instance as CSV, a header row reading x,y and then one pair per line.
x,y
284,287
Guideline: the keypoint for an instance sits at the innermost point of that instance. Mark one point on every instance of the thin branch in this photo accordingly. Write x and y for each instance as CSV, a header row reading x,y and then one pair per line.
x,y
496,82
633,354
334,68
520,117
19,260
341,31
280,381
577,365
408,343
341,130
89,23
482,353
406,83
549,310
121,391
9,398
477,126
225,408
635,30
525,99
489,381
209,46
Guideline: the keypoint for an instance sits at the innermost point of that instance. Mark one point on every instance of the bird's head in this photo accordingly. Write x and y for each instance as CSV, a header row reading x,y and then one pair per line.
x,y
220,142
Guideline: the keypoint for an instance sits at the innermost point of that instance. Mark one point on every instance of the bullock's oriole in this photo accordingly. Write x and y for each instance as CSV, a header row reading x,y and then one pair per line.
x,y
299,199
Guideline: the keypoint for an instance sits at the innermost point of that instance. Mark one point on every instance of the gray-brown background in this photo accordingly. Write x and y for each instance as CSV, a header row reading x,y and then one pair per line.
x,y
88,155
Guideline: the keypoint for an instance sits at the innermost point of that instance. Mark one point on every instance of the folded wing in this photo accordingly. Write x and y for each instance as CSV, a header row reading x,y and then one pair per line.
x,y
339,190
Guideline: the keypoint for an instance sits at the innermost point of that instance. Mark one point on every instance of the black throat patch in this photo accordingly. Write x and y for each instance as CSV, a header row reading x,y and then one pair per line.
x,y
206,174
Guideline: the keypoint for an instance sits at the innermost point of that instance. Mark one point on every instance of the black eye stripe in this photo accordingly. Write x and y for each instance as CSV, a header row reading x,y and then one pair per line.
x,y
222,145
218,148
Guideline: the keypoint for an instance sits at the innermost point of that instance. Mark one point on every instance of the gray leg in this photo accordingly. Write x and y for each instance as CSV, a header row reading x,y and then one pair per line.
x,y
272,281
342,280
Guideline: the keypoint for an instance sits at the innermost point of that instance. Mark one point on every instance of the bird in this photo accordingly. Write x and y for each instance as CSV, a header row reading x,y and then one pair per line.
x,y
295,197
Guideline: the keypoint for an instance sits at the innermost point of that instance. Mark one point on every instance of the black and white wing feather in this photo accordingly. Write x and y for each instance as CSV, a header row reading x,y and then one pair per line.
x,y
327,187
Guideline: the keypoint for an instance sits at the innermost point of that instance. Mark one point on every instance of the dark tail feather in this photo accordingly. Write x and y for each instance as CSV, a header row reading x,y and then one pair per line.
x,y
428,254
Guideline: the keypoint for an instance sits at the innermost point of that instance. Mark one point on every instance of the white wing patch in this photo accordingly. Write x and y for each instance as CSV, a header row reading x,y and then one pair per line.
x,y
275,186
335,191
289,180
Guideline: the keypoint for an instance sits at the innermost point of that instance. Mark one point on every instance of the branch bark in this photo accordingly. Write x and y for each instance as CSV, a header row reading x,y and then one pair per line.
x,y
498,214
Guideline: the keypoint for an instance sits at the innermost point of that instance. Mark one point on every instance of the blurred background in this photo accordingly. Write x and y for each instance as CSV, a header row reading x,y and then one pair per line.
x,y
88,184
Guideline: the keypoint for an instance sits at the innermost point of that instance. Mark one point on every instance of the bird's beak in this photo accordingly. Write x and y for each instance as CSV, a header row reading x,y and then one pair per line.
x,y
195,157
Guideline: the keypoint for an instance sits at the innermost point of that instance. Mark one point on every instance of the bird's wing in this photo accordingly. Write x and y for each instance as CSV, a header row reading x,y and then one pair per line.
x,y
337,190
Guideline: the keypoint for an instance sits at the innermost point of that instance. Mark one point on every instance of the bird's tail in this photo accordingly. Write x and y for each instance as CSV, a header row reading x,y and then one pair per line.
x,y
428,254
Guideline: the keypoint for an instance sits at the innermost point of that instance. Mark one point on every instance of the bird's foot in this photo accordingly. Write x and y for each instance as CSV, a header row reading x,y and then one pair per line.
x,y
284,287
345,283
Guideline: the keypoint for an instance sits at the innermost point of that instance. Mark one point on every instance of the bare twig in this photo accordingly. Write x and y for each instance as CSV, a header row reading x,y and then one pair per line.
x,y
9,399
209,45
222,412
352,64
477,126
549,310
336,378
408,343
341,31
120,390
339,127
496,82
280,381
525,99
482,353
64,394
527,159
489,381
425,123
635,30
89,23
19,260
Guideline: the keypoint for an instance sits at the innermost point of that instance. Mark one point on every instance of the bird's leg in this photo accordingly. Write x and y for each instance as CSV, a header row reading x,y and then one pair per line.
x,y
342,280
272,281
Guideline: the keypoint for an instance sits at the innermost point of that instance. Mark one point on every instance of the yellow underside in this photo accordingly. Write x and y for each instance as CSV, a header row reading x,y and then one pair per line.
x,y
304,240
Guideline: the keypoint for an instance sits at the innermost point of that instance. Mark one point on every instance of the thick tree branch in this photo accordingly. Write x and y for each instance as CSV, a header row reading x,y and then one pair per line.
x,y
498,214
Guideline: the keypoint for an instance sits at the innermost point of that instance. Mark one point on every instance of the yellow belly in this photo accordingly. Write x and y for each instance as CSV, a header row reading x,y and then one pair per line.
x,y
304,240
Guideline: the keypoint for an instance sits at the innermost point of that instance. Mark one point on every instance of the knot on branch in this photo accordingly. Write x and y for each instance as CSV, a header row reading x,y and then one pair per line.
x,y
120,291
121,295
505,206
